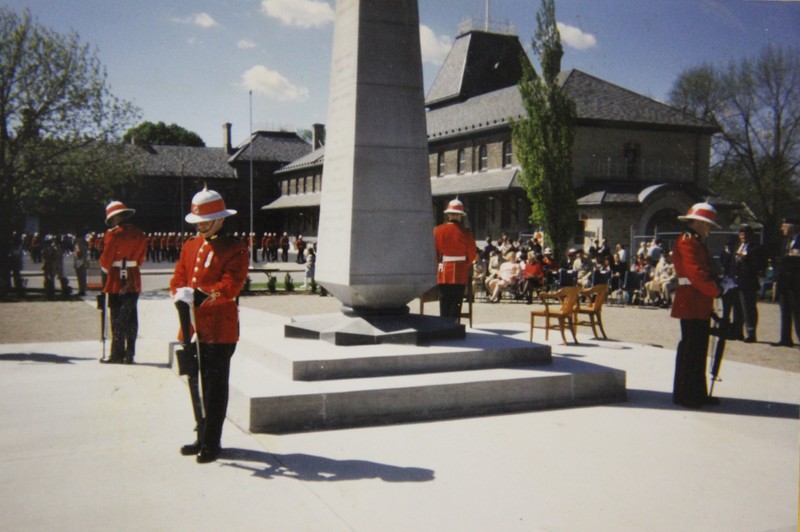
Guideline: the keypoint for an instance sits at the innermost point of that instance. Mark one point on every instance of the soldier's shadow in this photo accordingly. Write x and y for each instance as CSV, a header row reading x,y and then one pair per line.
x,y
308,467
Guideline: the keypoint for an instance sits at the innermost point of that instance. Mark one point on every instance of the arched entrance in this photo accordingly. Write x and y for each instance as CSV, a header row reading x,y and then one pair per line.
x,y
665,220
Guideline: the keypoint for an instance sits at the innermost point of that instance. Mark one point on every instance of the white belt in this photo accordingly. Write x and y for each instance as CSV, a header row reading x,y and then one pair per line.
x,y
128,264
449,258
684,281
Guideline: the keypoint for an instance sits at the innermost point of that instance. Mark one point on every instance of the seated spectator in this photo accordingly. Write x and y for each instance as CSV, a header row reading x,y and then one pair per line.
x,y
668,279
508,275
583,269
478,277
493,267
532,277
548,262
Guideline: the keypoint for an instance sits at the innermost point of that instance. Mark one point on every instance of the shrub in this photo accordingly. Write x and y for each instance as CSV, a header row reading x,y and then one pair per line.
x,y
288,285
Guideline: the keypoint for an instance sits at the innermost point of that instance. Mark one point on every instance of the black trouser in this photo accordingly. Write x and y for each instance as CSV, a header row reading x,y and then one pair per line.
x,y
215,367
748,312
789,298
124,325
689,387
450,299
732,313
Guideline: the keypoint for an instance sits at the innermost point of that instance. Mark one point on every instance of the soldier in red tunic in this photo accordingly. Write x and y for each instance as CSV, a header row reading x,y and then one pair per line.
x,y
209,275
694,301
124,251
456,251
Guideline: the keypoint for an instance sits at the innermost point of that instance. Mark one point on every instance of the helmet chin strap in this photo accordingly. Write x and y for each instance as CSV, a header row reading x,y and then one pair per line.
x,y
213,228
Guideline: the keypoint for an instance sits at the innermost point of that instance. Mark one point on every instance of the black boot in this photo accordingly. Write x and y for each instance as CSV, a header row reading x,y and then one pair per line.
x,y
191,448
207,454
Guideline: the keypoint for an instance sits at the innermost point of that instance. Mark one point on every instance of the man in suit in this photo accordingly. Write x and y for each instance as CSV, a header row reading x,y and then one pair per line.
x,y
749,261
788,281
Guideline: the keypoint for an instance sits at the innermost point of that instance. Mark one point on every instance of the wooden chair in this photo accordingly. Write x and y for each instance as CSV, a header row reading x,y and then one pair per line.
x,y
592,308
565,314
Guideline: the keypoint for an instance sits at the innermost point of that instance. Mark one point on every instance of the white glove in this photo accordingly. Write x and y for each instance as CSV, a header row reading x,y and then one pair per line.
x,y
727,285
184,294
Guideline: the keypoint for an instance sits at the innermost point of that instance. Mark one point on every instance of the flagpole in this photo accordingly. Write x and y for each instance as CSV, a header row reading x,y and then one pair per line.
x,y
250,147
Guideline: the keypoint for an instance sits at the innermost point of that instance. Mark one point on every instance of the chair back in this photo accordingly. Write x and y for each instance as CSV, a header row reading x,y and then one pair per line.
x,y
569,298
596,296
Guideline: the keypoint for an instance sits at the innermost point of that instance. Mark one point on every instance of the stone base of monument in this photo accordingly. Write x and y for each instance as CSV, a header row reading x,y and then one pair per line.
x,y
282,385
374,328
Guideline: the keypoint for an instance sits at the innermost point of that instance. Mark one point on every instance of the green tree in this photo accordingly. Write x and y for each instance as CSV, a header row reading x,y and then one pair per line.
x,y
59,123
543,138
163,135
756,105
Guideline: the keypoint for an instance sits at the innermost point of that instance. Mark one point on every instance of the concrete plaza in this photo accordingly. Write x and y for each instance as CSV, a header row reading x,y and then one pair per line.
x,y
88,447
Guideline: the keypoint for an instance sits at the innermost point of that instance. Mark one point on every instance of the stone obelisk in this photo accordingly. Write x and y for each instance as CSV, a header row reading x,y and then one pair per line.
x,y
376,218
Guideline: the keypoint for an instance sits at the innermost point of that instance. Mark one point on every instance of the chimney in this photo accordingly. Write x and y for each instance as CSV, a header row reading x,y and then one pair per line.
x,y
226,136
318,136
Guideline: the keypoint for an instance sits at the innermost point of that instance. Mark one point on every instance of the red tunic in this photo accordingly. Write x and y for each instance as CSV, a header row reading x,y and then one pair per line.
x,y
124,242
218,267
697,287
455,250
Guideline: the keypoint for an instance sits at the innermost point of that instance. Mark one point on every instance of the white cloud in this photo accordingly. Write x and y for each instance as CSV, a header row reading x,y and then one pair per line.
x,y
299,13
273,85
244,44
575,37
434,48
204,20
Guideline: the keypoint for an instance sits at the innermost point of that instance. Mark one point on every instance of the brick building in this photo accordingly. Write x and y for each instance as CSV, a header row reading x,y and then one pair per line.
x,y
637,163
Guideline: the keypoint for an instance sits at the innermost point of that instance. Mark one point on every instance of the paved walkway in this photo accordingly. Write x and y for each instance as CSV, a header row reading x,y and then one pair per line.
x,y
92,447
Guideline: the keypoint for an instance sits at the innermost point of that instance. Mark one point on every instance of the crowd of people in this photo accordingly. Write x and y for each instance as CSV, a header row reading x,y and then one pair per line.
x,y
51,250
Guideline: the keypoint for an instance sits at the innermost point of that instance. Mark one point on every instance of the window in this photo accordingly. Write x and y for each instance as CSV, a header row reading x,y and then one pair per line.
x,y
483,157
440,163
462,161
507,151
631,152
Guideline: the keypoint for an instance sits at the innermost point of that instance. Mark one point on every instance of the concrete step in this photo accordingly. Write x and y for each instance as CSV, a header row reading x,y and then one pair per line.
x,y
310,360
487,373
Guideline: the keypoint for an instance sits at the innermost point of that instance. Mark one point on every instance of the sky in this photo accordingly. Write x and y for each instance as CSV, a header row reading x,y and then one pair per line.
x,y
196,63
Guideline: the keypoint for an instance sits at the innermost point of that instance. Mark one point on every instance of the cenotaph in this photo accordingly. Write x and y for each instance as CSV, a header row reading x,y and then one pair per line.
x,y
376,250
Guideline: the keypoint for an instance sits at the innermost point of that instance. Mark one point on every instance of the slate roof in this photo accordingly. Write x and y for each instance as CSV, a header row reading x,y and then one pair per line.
x,y
182,160
479,62
491,181
638,192
271,146
315,158
476,89
596,102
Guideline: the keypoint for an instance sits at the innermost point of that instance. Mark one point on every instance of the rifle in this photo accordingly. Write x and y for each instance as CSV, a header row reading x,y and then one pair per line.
x,y
102,306
719,332
189,360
